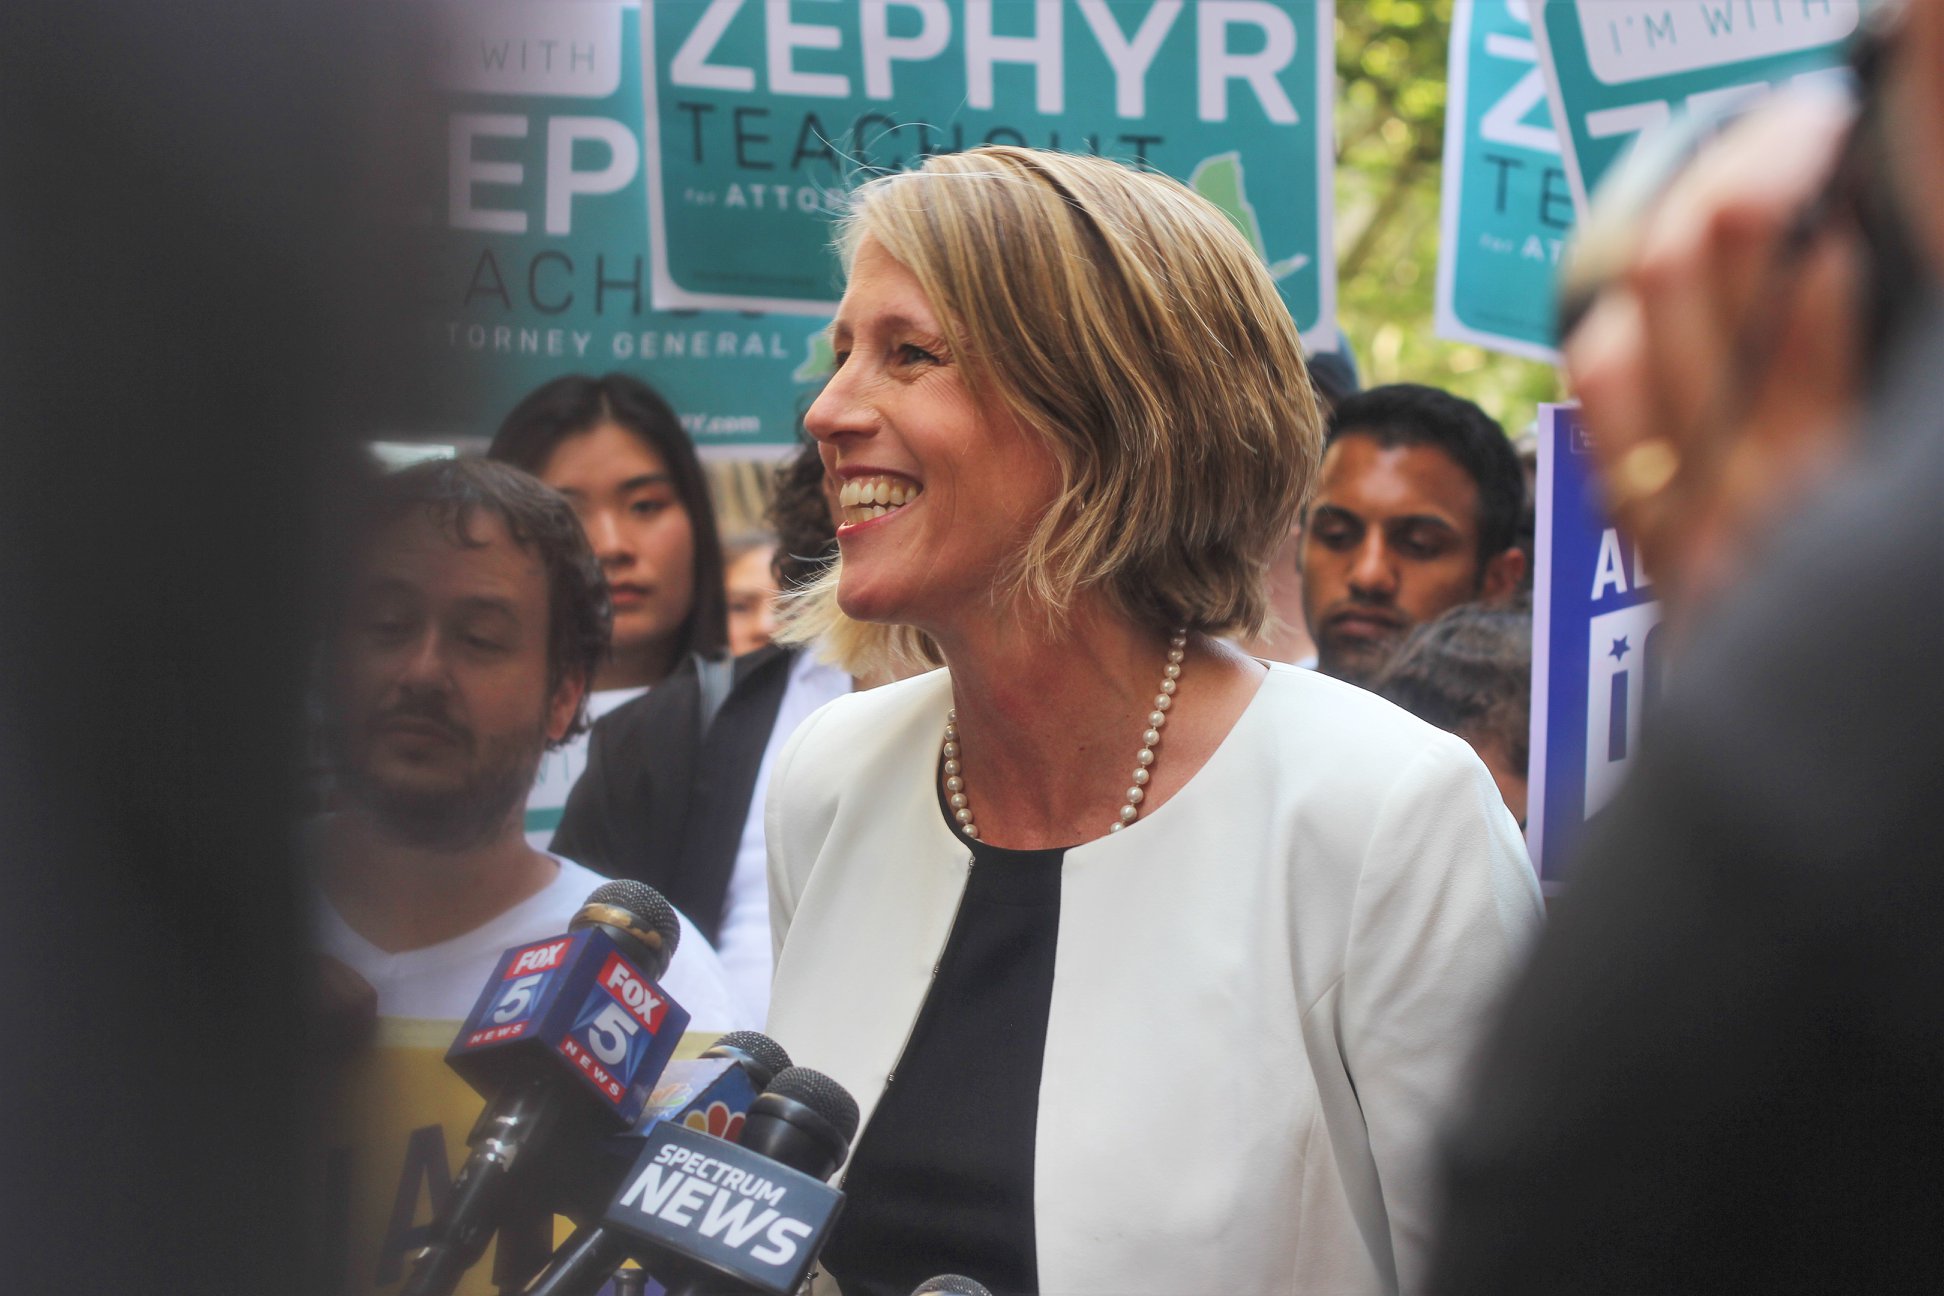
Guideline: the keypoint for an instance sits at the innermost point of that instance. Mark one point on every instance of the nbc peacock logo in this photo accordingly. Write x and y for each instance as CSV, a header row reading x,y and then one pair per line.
x,y
718,1119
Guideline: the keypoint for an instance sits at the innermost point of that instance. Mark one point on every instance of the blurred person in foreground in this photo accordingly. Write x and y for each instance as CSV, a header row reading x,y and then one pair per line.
x,y
1416,511
675,782
1103,856
617,451
1722,1071
1470,673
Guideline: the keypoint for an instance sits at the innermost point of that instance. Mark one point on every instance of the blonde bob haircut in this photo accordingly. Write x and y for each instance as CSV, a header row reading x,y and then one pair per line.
x,y
1127,321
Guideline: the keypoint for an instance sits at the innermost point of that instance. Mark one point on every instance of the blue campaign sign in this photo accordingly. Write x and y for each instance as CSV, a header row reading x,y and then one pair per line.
x,y
1597,658
762,116
533,199
1617,70
1506,206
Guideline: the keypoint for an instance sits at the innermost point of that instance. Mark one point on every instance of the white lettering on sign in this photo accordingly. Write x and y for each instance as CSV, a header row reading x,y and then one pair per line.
x,y
1647,119
564,182
1223,56
780,1247
1505,121
1043,51
1217,65
676,1195
786,36
691,66
689,1194
522,48
1611,572
882,49
566,139
538,959
631,990
1130,59
651,1189
465,171
730,1218
1638,40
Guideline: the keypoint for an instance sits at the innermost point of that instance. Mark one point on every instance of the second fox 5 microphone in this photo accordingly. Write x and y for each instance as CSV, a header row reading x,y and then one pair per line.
x,y
566,1042
702,1213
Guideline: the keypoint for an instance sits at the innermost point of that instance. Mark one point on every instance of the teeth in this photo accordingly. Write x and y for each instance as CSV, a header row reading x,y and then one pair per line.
x,y
864,498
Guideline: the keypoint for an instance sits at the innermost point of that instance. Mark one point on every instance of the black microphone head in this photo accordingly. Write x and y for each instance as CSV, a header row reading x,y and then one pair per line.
x,y
821,1095
805,1120
951,1285
636,913
760,1055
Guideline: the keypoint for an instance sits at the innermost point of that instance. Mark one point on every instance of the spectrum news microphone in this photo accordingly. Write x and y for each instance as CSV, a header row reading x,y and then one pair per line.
x,y
702,1213
565,1042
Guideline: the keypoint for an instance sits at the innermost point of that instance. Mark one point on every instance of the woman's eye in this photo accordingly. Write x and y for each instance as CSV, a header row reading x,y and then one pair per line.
x,y
647,507
911,354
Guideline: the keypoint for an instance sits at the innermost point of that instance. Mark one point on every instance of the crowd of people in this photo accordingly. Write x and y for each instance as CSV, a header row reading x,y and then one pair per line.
x,y
532,687
1106,763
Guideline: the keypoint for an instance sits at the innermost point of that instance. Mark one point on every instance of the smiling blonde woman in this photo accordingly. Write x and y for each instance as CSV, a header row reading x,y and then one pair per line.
x,y
1152,966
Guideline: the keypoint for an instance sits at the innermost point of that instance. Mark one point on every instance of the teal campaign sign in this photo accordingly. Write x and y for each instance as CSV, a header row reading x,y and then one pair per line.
x,y
1506,205
1617,70
762,115
536,210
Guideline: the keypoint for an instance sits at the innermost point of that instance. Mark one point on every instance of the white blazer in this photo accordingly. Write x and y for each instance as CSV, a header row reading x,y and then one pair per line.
x,y
1264,994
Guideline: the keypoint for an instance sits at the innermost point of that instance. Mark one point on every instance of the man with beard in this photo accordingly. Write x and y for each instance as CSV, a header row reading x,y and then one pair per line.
x,y
1416,511
474,617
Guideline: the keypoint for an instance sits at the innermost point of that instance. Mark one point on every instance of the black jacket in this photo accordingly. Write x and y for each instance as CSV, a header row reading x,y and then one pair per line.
x,y
664,802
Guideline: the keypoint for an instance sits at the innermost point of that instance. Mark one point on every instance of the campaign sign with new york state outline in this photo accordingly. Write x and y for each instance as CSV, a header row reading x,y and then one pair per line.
x,y
759,118
576,1003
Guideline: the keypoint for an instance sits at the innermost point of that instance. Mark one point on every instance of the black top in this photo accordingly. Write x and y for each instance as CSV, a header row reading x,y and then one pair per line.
x,y
942,1180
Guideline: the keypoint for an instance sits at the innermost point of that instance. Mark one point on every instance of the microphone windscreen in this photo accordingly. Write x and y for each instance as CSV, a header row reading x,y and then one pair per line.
x,y
820,1094
767,1052
950,1285
638,912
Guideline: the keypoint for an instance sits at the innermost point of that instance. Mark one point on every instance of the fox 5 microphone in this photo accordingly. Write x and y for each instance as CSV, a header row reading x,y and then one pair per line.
x,y
569,1032
701,1213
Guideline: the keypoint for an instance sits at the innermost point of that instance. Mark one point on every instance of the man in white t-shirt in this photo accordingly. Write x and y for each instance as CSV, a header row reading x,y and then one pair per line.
x,y
474,617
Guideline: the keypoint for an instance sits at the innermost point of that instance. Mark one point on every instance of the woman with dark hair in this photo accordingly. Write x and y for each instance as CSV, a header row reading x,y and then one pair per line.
x,y
616,450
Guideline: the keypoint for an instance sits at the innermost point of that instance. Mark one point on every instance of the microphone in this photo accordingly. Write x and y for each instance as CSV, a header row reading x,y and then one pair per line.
x,y
697,1209
566,1039
711,1093
951,1285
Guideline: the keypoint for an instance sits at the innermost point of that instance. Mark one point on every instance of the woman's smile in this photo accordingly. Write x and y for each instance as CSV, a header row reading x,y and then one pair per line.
x,y
864,499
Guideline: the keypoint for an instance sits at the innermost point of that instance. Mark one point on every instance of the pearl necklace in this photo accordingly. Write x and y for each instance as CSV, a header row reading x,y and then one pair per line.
x,y
1143,759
